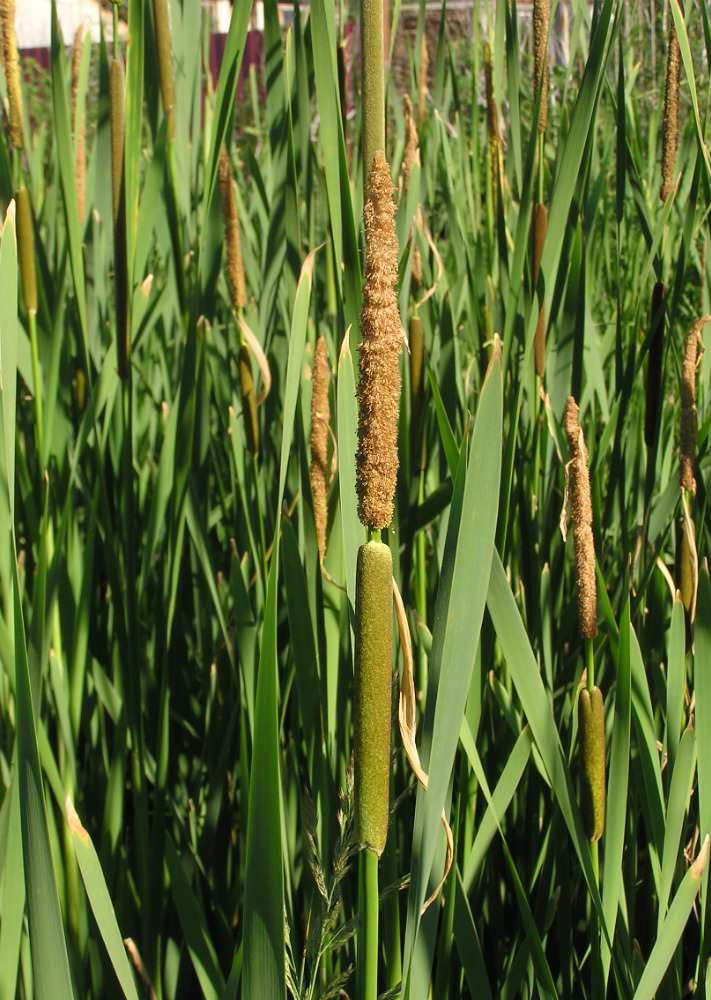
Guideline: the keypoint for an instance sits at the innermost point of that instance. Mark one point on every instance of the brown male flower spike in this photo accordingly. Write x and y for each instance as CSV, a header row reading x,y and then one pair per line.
x,y
381,341
581,516
12,72
410,158
541,16
687,423
671,107
235,269
318,470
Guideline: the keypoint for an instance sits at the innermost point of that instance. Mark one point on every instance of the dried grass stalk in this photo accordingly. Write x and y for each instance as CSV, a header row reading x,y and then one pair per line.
x,y
381,341
320,416
235,269
591,727
687,423
12,72
541,17
581,517
670,127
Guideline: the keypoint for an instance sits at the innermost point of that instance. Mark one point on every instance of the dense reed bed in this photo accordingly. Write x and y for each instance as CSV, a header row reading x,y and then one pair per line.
x,y
182,598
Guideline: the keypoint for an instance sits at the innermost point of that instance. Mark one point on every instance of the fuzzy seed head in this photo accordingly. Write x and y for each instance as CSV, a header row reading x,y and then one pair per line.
x,y
381,341
320,415
79,126
687,424
591,728
235,270
541,16
671,108
581,516
12,71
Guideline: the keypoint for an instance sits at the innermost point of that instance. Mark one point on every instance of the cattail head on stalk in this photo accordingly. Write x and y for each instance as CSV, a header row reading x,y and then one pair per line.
x,y
671,108
26,247
541,17
410,158
581,517
80,162
318,470
235,270
591,730
373,694
687,424
381,341
12,72
161,15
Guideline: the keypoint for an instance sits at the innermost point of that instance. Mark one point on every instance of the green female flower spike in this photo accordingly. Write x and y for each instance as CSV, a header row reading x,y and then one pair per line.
x,y
26,247
591,722
373,694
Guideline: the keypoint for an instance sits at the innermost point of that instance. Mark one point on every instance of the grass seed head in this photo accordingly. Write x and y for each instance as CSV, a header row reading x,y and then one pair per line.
x,y
671,107
235,269
591,729
12,72
320,415
381,342
373,694
581,516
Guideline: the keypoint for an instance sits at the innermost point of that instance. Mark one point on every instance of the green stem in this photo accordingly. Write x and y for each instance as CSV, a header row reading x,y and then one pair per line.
x,y
372,78
367,944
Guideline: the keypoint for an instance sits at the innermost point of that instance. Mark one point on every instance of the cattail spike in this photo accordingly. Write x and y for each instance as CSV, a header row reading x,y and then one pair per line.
x,y
373,694
320,415
235,269
671,106
381,341
687,423
581,517
161,15
422,79
12,72
79,126
591,729
26,248
411,156
541,16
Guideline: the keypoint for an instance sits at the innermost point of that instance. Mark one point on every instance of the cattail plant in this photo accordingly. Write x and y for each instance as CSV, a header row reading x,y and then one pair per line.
x,y
12,72
161,15
318,468
235,275
591,730
541,17
581,517
411,156
687,420
79,126
422,78
671,107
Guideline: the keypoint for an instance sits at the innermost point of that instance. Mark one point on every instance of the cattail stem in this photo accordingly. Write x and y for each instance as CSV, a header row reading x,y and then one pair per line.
x,y
368,920
372,82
